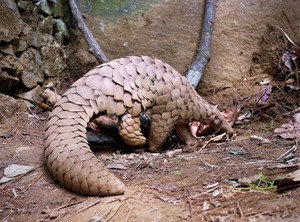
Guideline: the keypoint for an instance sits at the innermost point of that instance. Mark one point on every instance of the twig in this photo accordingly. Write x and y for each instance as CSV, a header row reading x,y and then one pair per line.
x,y
293,149
239,210
31,184
196,179
88,36
208,164
190,202
205,192
286,36
92,204
128,215
196,70
107,219
64,206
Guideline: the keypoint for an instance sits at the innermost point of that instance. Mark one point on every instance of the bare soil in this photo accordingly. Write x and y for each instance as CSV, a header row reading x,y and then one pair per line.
x,y
191,186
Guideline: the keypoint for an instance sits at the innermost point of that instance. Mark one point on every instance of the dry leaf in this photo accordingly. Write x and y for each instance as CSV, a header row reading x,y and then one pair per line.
x,y
260,139
289,130
263,96
265,81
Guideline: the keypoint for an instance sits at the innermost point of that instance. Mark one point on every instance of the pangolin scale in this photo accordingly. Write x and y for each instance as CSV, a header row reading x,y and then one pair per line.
x,y
125,88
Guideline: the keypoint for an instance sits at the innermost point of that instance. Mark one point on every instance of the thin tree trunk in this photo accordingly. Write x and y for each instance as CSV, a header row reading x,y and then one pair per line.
x,y
88,36
195,71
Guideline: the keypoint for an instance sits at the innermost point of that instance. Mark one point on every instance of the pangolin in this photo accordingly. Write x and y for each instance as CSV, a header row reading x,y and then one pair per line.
x,y
124,88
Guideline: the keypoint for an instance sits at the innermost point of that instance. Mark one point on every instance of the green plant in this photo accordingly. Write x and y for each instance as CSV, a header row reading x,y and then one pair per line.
x,y
178,172
261,184
268,127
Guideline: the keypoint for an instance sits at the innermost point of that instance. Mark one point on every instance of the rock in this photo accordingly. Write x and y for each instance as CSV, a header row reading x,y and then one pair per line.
x,y
34,38
11,64
8,106
20,45
59,37
7,81
60,26
7,49
59,11
46,25
32,95
26,29
11,23
25,5
53,57
44,7
33,70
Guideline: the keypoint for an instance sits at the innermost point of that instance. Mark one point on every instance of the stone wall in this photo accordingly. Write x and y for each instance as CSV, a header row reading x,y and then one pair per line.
x,y
32,34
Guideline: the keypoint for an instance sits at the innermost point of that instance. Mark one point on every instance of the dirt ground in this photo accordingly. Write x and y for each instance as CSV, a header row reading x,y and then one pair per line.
x,y
196,185
190,186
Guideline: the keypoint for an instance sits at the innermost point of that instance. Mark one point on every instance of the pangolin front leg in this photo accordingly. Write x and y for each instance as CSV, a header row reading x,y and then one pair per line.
x,y
161,126
130,130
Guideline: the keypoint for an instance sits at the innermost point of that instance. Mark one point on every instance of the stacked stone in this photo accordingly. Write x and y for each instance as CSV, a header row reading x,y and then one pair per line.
x,y
28,54
31,37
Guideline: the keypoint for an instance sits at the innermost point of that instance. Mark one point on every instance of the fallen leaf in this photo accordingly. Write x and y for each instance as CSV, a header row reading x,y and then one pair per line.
x,y
245,117
231,114
288,60
289,130
14,170
260,139
265,81
263,96
5,179
209,186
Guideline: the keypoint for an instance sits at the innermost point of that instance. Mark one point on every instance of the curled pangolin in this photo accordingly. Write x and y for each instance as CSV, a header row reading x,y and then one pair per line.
x,y
124,88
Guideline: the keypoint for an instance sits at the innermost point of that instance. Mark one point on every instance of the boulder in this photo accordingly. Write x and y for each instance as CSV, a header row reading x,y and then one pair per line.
x,y
20,44
46,25
11,64
53,57
34,37
44,7
11,23
60,26
7,49
33,68
25,5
